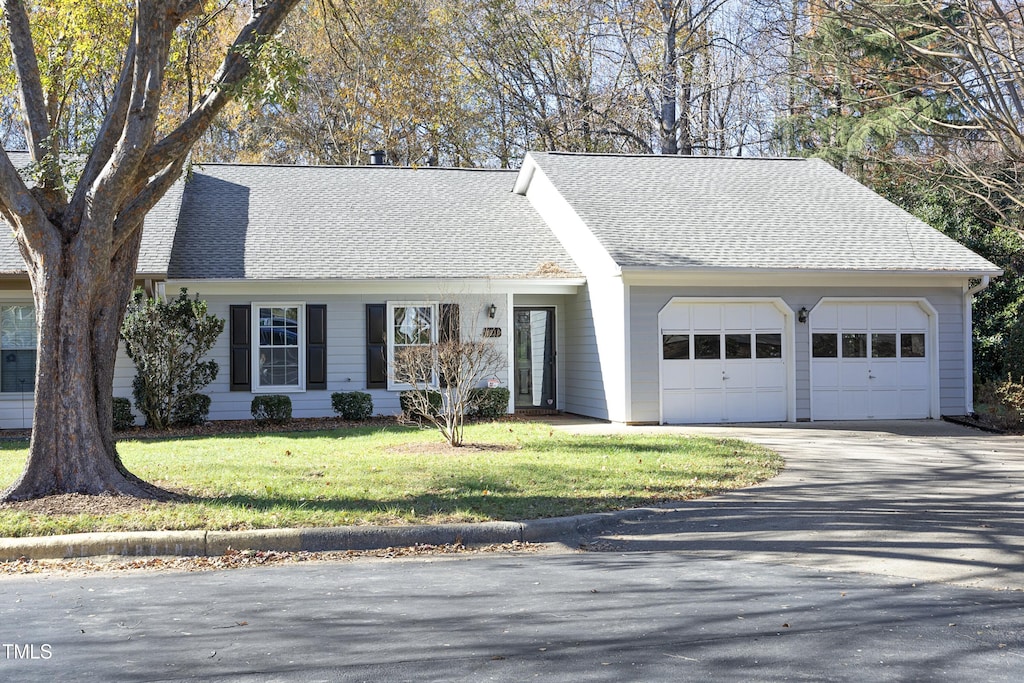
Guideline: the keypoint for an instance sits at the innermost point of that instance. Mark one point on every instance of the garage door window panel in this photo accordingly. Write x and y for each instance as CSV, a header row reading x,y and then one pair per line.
x,y
912,345
883,345
737,346
824,345
707,346
855,345
768,346
675,346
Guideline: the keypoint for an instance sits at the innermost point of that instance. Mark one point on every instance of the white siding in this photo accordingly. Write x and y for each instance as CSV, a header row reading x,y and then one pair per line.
x,y
596,348
346,349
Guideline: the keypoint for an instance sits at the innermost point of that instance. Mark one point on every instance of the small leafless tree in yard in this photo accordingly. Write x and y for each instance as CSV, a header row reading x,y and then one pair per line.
x,y
443,377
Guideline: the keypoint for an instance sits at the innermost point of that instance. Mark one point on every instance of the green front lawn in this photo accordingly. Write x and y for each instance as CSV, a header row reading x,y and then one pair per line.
x,y
402,475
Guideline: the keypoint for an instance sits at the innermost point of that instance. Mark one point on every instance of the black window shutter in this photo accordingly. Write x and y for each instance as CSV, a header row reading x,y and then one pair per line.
x,y
447,331
241,361
376,346
316,346
448,325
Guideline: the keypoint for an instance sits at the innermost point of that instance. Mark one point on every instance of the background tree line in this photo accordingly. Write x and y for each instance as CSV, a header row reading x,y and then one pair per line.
x,y
921,99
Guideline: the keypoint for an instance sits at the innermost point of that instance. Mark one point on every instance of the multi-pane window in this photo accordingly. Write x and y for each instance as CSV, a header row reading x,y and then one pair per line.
x,y
855,345
411,325
278,348
17,348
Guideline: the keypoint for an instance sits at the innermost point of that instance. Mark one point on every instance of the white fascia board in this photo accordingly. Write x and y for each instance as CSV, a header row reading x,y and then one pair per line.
x,y
525,176
567,225
795,278
425,285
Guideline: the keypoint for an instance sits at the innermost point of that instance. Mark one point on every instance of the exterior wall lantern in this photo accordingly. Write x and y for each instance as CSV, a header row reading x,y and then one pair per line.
x,y
492,311
801,315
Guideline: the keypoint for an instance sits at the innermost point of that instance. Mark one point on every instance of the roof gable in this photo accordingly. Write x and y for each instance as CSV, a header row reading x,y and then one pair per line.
x,y
700,213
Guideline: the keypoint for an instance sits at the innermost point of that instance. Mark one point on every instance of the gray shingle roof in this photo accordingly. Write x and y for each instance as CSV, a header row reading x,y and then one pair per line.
x,y
358,222
157,232
713,212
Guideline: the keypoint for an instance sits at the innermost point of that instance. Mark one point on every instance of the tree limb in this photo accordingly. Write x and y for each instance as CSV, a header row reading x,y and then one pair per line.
x,y
131,217
26,67
19,207
265,21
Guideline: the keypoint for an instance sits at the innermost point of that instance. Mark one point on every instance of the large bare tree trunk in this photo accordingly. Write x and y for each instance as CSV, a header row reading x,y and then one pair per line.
x,y
80,304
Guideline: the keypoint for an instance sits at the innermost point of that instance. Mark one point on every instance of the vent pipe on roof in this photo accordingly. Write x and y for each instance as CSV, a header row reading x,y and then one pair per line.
x,y
378,158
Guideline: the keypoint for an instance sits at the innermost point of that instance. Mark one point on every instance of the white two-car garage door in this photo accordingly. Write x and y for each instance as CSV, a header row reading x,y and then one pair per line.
x,y
870,360
723,362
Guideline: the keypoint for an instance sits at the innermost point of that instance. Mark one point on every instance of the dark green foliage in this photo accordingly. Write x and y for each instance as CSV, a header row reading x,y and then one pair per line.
x,y
352,405
489,403
998,308
410,406
1011,394
167,341
123,417
191,410
271,409
1013,359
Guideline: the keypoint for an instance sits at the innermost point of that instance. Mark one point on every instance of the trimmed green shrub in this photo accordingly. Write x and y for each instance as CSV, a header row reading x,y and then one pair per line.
x,y
271,409
123,417
191,410
352,405
167,341
489,403
412,403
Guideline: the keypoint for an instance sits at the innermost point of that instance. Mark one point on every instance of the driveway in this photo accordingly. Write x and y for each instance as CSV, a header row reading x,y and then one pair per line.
x,y
924,500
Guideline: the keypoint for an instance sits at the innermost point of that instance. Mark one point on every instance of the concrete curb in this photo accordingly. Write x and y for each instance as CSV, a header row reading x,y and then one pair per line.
x,y
567,530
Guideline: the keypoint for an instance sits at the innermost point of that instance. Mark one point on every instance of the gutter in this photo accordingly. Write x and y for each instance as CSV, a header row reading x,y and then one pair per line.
x,y
969,340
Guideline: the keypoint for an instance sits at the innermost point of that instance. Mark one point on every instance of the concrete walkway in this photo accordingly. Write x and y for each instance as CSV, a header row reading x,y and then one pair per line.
x,y
924,500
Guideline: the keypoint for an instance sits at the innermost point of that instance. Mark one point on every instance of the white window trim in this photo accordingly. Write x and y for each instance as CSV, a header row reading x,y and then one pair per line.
x,y
20,395
389,321
254,316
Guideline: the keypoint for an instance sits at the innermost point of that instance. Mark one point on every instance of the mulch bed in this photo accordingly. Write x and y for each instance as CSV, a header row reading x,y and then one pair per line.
x,y
77,504
220,427
977,421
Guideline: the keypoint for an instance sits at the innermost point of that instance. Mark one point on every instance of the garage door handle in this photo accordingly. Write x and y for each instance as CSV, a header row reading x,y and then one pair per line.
x,y
724,378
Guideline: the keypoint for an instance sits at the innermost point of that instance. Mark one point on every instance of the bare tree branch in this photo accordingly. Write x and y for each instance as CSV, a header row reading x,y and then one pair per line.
x,y
26,67
131,217
266,20
19,206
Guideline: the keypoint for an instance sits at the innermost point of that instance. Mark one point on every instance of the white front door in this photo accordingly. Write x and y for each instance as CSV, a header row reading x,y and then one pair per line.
x,y
723,362
870,361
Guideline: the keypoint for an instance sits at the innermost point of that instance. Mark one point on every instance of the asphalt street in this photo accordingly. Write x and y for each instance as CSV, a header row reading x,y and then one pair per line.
x,y
557,617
